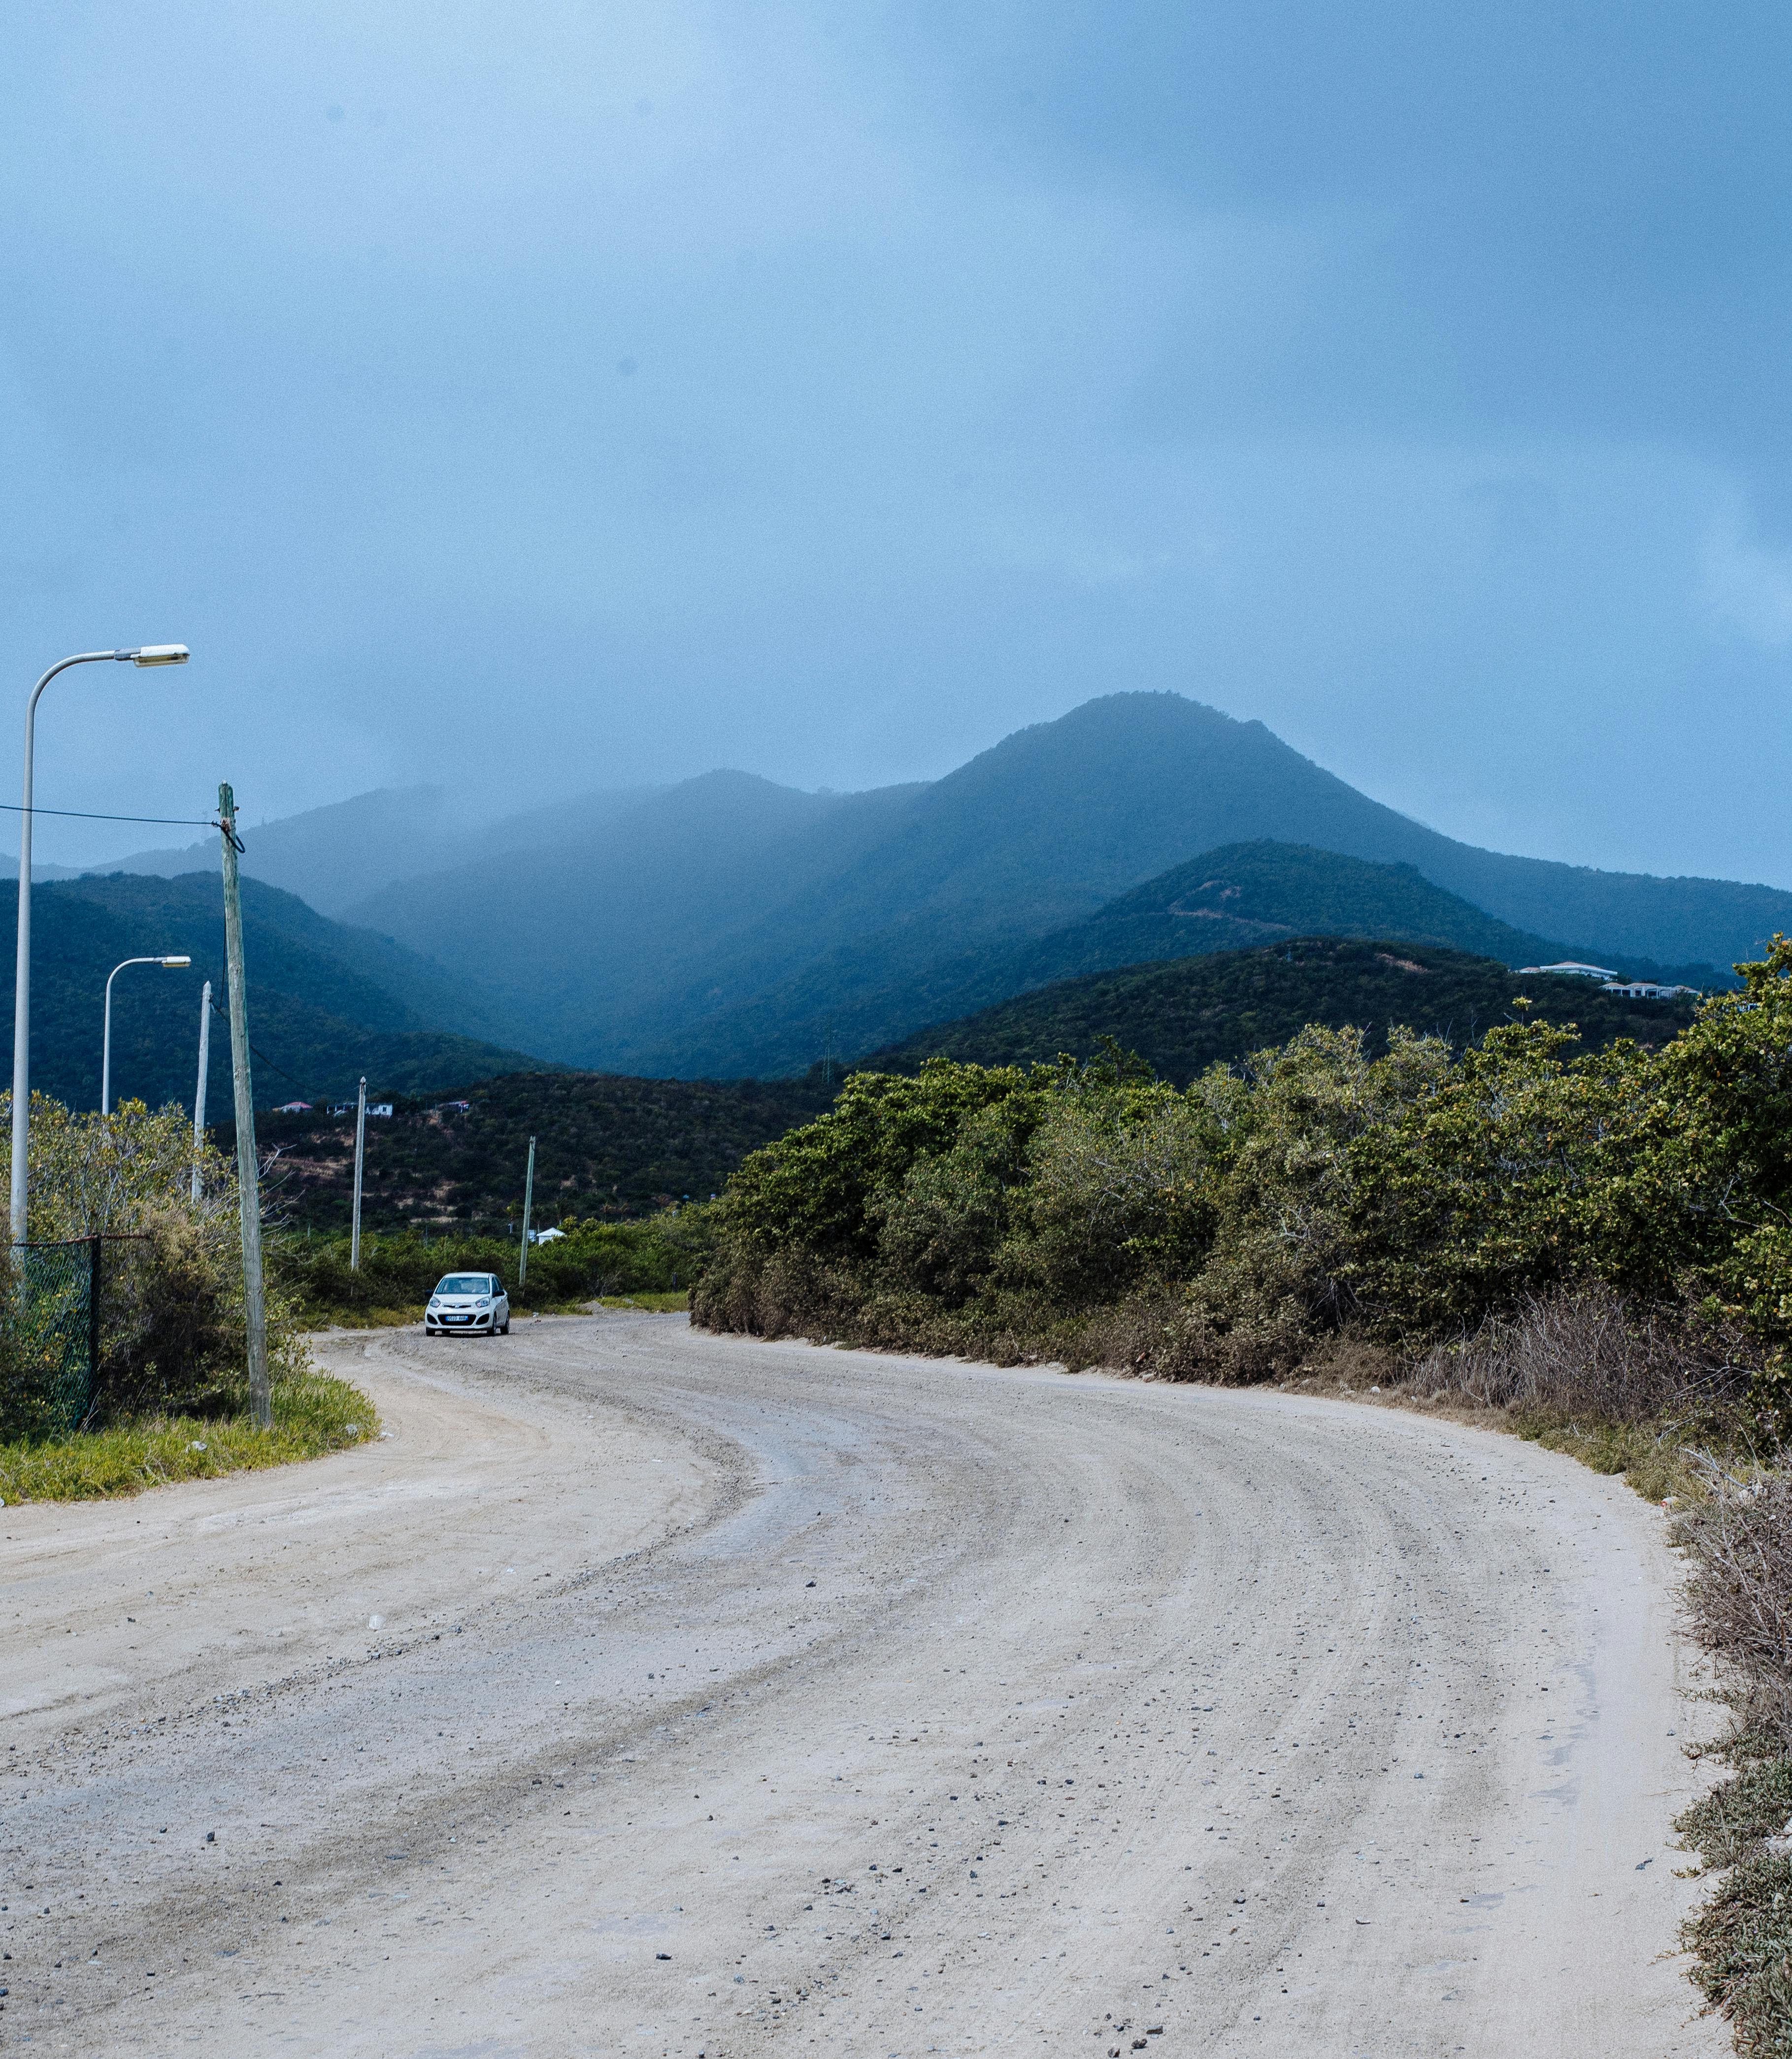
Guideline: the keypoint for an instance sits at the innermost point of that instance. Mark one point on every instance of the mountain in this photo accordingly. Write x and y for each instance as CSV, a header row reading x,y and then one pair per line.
x,y
333,857
1256,893
730,926
1225,900
599,944
1193,1012
326,1004
1038,833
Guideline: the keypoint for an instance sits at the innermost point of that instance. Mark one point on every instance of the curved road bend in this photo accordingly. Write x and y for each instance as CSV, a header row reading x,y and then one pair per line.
x,y
650,1692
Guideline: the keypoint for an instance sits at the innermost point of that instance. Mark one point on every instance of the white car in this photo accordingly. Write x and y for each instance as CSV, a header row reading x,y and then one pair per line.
x,y
468,1301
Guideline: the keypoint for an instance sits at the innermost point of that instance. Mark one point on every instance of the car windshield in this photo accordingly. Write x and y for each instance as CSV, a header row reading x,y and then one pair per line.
x,y
466,1283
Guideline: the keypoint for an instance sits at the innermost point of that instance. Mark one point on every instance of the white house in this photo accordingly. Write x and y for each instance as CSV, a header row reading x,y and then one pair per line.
x,y
1570,969
1646,990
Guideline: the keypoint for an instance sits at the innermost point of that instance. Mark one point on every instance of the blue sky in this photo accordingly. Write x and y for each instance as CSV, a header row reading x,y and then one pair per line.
x,y
548,397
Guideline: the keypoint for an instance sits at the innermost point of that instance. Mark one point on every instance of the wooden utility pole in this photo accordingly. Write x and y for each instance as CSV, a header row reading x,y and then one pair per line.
x,y
249,1183
360,1159
528,1197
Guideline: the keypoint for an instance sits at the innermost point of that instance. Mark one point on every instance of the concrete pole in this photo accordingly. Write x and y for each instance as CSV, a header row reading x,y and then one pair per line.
x,y
199,1092
249,1183
528,1198
360,1160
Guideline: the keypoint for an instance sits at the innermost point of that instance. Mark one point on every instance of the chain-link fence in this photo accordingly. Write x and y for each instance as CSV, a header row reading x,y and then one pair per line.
x,y
49,1307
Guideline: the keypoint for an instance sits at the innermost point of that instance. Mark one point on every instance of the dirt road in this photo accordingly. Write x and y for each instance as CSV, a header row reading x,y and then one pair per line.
x,y
647,1692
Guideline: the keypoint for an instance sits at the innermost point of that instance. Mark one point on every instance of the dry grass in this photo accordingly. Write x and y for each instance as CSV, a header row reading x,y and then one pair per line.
x,y
1731,1823
1593,1352
1739,1602
1740,1594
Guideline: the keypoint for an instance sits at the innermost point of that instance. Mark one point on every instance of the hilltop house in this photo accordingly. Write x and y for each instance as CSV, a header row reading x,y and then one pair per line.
x,y
1570,969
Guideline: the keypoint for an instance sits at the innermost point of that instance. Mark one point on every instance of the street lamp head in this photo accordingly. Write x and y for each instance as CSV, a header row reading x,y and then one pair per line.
x,y
177,961
158,654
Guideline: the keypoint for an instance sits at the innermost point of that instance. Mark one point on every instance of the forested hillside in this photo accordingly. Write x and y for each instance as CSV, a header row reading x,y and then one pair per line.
x,y
729,927
606,1146
1186,1015
326,1003
1229,899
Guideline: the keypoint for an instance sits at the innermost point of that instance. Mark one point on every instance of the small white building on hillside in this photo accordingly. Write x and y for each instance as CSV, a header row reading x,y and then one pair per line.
x,y
1570,969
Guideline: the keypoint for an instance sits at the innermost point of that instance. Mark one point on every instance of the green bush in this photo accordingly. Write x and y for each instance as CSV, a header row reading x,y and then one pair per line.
x,y
173,1326
1407,1196
659,1255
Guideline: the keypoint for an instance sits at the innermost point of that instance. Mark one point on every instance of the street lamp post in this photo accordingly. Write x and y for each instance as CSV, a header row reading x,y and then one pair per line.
x,y
147,654
106,1044
199,1092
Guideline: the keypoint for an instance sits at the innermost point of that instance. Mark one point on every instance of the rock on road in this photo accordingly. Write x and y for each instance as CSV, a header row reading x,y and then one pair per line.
x,y
732,1698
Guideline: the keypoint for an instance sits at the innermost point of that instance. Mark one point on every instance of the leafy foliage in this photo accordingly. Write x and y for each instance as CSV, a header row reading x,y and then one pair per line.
x,y
173,1332
1394,1184
662,1254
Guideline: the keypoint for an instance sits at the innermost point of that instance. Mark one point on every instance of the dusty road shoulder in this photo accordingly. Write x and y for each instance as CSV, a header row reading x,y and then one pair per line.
x,y
482,1483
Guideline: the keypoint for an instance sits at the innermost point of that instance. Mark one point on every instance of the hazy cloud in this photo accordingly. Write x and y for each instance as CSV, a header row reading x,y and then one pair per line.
x,y
565,396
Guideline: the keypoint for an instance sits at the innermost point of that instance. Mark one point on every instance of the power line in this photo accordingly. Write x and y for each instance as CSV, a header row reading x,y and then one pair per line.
x,y
81,815
255,1052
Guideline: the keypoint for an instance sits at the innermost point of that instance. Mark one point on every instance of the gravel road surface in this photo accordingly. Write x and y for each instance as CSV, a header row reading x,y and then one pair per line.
x,y
648,1692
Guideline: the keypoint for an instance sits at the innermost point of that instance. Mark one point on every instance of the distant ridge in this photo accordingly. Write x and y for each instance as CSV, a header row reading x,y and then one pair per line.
x,y
1185,1015
1229,899
1035,835
336,856
730,926
326,1004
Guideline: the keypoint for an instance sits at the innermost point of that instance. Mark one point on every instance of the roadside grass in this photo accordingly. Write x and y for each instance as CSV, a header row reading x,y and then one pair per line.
x,y
653,1302
314,1413
1741,1939
1737,1540
1667,1461
1729,1824
359,1318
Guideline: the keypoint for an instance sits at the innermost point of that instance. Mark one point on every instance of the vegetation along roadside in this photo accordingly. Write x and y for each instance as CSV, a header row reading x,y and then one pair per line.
x,y
649,1263
168,1399
1594,1243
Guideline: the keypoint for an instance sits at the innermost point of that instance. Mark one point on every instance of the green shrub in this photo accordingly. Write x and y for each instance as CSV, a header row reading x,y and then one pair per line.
x,y
1408,1196
173,1326
659,1256
1742,1940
